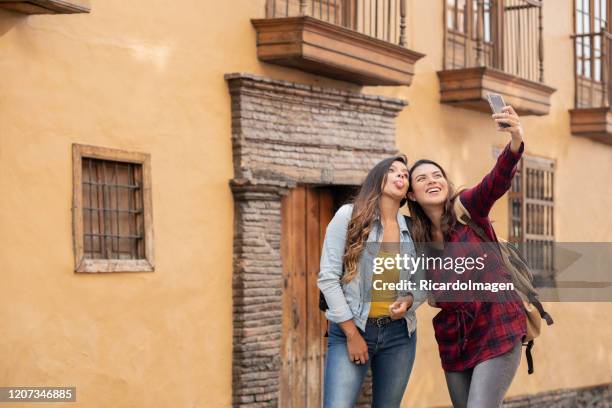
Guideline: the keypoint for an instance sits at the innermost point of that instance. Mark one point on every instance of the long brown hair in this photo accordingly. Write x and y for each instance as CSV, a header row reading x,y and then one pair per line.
x,y
365,208
421,224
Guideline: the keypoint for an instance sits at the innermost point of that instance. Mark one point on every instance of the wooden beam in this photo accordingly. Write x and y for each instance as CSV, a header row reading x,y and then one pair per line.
x,y
47,6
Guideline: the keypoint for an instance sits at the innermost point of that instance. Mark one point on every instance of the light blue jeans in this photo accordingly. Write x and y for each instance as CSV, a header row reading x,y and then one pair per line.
x,y
391,356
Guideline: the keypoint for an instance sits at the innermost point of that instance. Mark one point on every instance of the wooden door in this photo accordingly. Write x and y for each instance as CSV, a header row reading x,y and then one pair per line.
x,y
306,211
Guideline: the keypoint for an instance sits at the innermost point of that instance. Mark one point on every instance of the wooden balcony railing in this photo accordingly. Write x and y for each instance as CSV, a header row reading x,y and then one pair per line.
x,y
506,35
361,41
523,43
498,42
593,89
382,19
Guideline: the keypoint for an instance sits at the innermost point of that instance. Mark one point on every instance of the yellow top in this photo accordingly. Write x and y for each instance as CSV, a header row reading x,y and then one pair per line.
x,y
382,299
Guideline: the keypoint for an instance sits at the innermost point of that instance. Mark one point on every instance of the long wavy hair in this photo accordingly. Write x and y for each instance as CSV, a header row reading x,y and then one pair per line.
x,y
365,208
421,224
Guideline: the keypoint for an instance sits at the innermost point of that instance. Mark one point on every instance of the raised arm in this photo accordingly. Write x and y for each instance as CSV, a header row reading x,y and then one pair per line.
x,y
479,199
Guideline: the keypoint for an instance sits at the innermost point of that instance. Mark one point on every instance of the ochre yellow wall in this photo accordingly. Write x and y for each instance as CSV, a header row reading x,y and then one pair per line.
x,y
575,351
148,76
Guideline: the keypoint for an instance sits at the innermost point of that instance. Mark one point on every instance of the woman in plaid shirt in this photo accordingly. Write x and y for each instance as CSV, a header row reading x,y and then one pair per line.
x,y
479,342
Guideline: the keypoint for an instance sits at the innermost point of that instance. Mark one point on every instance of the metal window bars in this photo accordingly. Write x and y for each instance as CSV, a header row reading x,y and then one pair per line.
x,y
113,218
531,215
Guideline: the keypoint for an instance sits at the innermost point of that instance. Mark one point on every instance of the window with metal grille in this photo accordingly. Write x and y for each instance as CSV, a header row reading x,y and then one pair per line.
x,y
112,210
531,215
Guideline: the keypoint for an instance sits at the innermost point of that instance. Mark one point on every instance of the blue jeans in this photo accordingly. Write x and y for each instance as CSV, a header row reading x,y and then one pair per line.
x,y
391,356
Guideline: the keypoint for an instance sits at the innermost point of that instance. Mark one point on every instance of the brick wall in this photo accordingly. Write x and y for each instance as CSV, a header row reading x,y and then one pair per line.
x,y
284,134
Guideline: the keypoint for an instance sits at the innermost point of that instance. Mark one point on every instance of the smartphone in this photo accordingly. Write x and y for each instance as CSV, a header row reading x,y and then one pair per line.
x,y
497,104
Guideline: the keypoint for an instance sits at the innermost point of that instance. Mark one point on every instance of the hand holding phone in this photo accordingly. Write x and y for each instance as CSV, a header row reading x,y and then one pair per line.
x,y
507,119
496,101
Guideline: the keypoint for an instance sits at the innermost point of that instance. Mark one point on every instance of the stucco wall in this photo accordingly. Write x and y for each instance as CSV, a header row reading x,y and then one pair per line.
x,y
148,76
575,351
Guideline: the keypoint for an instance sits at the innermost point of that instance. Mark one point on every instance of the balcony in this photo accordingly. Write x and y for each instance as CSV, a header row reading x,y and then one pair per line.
x,y
494,46
46,6
359,41
592,117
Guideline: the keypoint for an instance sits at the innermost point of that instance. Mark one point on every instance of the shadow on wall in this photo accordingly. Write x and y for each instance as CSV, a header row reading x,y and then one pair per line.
x,y
10,19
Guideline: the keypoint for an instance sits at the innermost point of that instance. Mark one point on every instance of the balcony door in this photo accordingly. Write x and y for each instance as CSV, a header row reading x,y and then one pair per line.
x,y
592,45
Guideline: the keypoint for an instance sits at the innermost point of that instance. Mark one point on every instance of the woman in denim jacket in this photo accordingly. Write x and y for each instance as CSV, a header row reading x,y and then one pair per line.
x,y
370,327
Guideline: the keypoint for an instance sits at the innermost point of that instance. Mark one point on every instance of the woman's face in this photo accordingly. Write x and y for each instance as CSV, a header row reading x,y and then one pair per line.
x,y
396,185
429,186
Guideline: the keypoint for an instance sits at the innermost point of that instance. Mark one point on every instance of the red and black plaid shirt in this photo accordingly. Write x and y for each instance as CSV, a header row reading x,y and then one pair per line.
x,y
469,332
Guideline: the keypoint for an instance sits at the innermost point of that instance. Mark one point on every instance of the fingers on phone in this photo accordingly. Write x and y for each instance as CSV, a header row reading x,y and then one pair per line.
x,y
509,120
510,110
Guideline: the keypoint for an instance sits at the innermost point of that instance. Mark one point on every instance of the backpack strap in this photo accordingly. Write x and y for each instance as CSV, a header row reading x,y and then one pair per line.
x,y
543,313
477,229
463,216
529,356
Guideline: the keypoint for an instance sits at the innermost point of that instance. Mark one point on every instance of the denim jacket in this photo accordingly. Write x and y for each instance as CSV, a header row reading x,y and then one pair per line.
x,y
352,300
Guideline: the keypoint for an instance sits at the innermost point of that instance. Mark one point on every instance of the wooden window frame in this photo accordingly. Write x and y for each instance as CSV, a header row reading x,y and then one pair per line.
x,y
590,117
591,15
589,88
80,151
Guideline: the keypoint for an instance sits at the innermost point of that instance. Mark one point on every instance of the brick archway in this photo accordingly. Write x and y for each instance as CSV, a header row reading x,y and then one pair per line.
x,y
283,134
